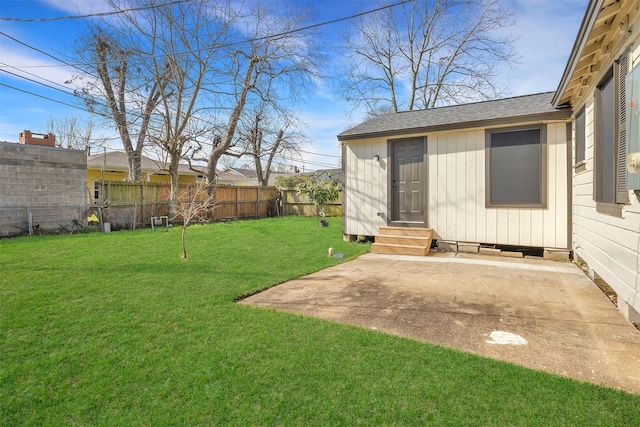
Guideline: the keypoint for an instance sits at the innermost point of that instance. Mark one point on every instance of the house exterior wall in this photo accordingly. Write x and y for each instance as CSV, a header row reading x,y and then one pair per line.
x,y
365,186
33,175
609,244
456,191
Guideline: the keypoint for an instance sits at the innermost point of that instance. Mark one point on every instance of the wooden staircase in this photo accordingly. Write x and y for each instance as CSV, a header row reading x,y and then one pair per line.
x,y
403,241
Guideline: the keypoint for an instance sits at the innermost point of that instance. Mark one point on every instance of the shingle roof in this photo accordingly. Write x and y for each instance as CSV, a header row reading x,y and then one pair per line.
x,y
326,174
519,108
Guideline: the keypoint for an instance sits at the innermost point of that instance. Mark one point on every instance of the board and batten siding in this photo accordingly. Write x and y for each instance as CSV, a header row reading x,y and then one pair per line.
x,y
608,244
456,191
365,187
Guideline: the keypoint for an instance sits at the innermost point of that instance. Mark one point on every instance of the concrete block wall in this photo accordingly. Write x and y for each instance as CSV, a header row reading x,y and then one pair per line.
x,y
34,175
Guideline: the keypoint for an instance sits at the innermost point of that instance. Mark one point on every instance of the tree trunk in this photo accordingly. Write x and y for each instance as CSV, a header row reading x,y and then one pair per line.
x,y
184,247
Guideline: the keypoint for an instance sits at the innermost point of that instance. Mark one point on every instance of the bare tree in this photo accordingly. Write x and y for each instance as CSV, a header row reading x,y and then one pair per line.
x,y
184,43
198,64
193,204
427,53
70,133
269,135
112,85
228,161
272,66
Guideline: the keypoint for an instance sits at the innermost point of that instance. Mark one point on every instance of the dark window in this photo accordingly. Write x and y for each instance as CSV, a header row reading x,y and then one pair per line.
x,y
606,148
516,167
580,136
96,190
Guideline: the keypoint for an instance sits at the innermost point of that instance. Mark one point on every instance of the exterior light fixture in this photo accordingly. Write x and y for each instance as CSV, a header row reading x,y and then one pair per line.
x,y
376,158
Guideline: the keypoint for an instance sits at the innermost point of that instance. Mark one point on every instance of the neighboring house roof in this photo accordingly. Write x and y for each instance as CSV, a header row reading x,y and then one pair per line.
x,y
605,23
246,176
230,175
500,111
245,172
327,174
117,160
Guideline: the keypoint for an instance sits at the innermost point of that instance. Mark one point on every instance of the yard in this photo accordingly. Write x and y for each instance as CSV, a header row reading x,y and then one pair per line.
x,y
118,329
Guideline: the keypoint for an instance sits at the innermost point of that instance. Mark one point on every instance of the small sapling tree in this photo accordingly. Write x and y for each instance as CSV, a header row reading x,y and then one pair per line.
x,y
194,204
319,192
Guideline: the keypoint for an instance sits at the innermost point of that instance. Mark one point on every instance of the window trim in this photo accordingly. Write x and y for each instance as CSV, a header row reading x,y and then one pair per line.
x,y
97,190
542,179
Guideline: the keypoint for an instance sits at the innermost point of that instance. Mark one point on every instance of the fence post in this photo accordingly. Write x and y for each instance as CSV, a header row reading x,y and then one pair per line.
x,y
135,210
30,222
257,202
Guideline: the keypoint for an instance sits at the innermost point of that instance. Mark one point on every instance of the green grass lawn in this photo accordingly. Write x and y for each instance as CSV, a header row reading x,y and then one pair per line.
x,y
116,329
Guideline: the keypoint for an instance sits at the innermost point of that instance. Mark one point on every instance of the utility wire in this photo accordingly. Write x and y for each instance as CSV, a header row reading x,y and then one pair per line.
x,y
37,50
65,91
54,100
326,165
32,74
252,40
319,154
91,15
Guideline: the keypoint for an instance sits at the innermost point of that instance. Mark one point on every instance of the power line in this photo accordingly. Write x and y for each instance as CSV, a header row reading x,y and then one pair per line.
x,y
109,117
32,74
333,21
319,154
284,33
49,99
65,91
37,50
91,15
93,100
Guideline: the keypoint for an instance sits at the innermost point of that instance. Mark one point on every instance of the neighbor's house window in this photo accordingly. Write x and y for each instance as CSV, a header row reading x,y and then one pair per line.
x,y
580,137
516,167
100,191
611,142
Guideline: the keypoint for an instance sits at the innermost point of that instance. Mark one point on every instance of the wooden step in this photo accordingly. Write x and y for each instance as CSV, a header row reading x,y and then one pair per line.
x,y
388,248
406,231
404,240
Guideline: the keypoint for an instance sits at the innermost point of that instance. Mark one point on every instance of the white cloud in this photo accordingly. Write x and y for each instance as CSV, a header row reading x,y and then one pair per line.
x,y
80,7
30,66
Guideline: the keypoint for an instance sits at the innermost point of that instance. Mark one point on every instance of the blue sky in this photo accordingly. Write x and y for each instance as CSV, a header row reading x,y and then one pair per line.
x,y
545,31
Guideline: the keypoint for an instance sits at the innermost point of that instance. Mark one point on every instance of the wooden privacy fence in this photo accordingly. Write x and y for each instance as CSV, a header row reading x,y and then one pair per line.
x,y
150,199
298,204
245,202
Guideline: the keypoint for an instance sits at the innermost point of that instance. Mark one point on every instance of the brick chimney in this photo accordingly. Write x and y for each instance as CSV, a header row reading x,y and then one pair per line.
x,y
29,138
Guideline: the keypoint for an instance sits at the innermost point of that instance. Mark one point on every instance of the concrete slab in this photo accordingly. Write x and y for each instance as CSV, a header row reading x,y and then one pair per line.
x,y
545,315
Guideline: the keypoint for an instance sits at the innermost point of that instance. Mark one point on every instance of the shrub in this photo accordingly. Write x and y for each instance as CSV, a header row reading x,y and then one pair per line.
x,y
319,192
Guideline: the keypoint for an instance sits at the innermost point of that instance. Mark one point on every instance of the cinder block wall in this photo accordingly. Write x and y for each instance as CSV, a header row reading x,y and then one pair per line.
x,y
33,175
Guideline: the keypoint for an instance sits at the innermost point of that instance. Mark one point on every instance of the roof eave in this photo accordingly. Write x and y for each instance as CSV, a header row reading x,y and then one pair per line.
x,y
560,114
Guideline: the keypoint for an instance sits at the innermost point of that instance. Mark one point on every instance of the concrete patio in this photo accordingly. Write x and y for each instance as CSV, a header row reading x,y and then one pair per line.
x,y
545,315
